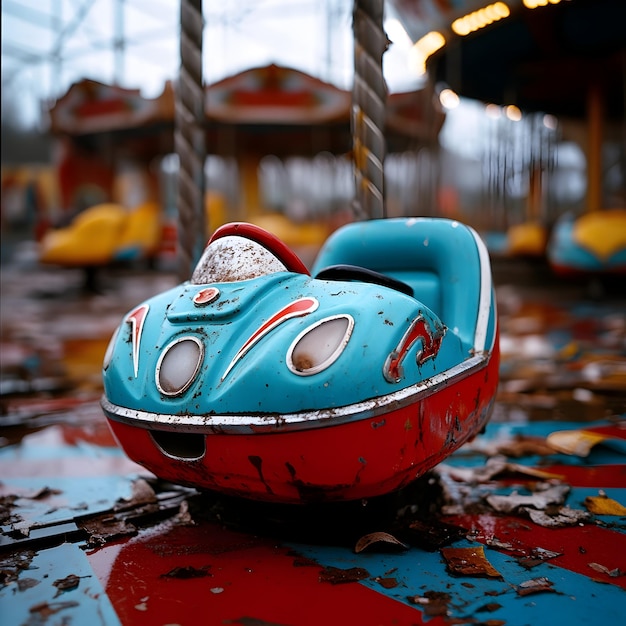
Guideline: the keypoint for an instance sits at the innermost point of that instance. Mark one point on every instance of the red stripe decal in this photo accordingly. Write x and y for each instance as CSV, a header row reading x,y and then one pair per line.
x,y
298,308
136,320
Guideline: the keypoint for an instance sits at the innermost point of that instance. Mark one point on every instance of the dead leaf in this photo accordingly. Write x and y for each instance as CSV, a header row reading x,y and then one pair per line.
x,y
434,603
562,516
603,505
187,571
469,562
552,495
574,442
386,582
104,530
335,575
432,535
66,584
613,573
537,556
379,540
535,585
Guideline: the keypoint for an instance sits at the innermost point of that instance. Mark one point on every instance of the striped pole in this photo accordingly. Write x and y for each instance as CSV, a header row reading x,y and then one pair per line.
x,y
189,139
369,97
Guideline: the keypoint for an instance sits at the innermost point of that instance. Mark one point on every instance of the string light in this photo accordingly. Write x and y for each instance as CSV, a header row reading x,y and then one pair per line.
x,y
481,18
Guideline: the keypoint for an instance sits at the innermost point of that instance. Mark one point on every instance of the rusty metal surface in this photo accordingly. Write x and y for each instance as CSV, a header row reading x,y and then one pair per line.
x,y
525,525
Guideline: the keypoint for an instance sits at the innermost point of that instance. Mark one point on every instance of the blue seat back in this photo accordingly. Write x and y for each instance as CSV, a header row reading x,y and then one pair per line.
x,y
439,258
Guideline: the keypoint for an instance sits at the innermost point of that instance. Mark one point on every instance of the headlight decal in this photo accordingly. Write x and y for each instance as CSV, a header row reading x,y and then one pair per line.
x,y
320,345
136,320
431,336
297,308
178,365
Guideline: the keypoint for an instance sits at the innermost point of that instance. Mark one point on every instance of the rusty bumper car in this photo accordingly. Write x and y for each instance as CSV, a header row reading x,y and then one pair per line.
x,y
258,379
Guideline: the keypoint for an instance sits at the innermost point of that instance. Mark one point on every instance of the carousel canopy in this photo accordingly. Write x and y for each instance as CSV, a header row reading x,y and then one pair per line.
x,y
540,55
270,109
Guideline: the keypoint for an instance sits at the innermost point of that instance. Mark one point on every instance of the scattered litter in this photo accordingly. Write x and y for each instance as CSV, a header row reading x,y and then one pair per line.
x,y
613,573
603,505
379,541
537,556
562,516
188,571
68,583
540,499
497,466
574,442
142,493
535,585
386,582
12,565
47,609
336,575
469,562
103,530
27,583
432,535
434,603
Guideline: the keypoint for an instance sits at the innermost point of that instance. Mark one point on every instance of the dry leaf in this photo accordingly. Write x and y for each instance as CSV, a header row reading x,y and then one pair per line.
x,y
379,539
602,505
469,562
535,585
574,442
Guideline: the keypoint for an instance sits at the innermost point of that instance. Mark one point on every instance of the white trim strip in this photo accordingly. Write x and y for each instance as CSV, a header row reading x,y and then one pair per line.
x,y
238,423
485,302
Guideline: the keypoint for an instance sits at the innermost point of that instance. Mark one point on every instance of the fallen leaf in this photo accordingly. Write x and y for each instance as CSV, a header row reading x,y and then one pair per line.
x,y
562,516
535,585
574,442
379,540
336,575
434,603
469,562
386,583
537,556
613,573
432,535
555,494
187,571
66,584
603,505
497,466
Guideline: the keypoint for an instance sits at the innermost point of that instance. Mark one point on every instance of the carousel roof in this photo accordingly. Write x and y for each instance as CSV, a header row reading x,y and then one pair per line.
x,y
544,58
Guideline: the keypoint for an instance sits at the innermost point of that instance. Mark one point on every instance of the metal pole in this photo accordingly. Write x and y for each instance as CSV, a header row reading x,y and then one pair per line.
x,y
369,98
190,139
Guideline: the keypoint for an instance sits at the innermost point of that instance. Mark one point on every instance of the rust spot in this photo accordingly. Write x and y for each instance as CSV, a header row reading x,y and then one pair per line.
x,y
469,562
257,461
302,362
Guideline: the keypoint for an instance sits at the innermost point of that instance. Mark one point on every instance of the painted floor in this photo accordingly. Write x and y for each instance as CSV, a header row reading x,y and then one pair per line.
x,y
526,525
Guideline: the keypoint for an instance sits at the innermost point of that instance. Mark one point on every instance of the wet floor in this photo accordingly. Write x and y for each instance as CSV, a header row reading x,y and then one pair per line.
x,y
525,525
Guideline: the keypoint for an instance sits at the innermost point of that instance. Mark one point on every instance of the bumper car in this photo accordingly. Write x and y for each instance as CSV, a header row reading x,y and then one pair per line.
x,y
594,243
258,379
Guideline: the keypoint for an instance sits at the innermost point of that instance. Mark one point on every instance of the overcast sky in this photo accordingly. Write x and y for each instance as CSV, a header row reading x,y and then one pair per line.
x,y
49,44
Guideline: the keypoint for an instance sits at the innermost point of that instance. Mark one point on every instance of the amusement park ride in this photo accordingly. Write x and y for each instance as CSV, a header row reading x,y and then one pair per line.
x,y
271,412
236,380
567,59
